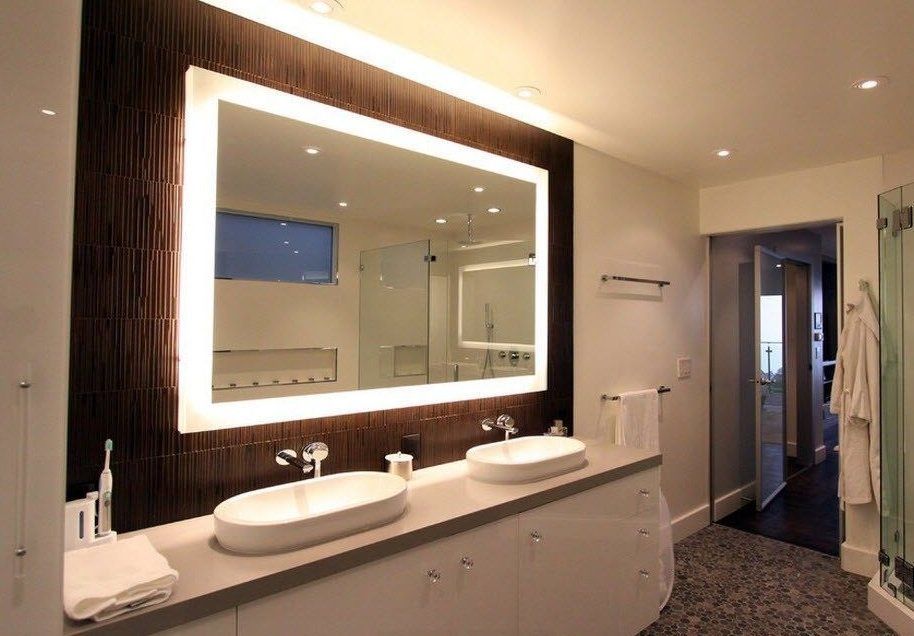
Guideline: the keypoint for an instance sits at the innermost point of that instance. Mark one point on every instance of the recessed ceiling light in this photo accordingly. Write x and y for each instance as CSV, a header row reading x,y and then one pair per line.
x,y
527,92
325,6
869,83
723,153
283,223
478,189
48,111
343,204
493,210
285,242
295,251
313,150
440,221
779,266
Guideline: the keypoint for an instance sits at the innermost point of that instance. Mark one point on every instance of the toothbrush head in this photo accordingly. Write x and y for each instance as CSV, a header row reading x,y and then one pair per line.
x,y
109,445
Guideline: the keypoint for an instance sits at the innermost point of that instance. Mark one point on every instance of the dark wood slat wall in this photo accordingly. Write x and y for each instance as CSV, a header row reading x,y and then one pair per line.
x,y
123,377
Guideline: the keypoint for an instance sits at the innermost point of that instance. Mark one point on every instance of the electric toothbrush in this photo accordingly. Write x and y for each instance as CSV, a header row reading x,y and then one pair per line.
x,y
105,487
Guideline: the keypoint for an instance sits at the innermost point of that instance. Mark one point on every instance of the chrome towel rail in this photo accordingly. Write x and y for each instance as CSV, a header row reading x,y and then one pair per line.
x,y
615,398
660,283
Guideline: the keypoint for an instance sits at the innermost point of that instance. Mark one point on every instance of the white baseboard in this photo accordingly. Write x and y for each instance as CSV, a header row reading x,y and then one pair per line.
x,y
820,455
888,609
691,522
732,501
858,560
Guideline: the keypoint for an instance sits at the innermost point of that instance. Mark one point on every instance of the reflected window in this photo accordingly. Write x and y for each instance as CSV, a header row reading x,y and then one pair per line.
x,y
250,247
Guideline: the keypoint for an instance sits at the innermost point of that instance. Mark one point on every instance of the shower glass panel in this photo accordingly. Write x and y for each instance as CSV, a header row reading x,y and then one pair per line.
x,y
393,316
896,309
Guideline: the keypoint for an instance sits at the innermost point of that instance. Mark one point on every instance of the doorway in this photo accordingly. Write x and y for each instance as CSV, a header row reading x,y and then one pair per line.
x,y
773,463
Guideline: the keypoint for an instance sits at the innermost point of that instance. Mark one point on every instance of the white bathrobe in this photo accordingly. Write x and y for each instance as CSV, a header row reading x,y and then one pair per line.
x,y
855,399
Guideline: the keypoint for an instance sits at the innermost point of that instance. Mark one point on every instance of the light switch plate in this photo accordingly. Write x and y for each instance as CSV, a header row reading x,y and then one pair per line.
x,y
683,368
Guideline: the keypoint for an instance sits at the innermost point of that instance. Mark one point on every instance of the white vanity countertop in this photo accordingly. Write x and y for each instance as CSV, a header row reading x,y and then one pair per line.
x,y
443,501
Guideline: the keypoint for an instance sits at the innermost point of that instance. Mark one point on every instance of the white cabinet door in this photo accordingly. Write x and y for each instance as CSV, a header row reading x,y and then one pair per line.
x,y
588,563
426,590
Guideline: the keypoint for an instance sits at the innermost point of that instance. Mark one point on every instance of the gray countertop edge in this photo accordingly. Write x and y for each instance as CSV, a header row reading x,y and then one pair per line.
x,y
168,615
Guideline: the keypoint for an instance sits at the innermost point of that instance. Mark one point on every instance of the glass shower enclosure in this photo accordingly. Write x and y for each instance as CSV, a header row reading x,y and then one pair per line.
x,y
896,291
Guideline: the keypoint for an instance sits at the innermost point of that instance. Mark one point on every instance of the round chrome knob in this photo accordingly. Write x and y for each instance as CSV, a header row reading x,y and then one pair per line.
x,y
644,492
536,536
644,574
433,575
467,563
644,532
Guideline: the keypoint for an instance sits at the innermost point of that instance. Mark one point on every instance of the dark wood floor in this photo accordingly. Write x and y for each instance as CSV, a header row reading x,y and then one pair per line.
x,y
805,513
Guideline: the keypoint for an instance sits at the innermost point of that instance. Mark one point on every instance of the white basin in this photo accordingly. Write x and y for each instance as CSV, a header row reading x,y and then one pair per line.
x,y
525,459
303,513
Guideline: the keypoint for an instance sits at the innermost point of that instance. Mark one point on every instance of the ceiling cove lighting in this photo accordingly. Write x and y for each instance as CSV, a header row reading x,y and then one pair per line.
x,y
527,92
869,83
723,153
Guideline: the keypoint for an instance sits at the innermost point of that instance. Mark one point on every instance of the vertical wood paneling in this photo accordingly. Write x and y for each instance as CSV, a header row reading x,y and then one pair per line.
x,y
127,250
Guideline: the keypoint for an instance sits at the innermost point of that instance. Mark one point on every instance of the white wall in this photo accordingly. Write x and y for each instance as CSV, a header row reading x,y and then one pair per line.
x,y
629,337
845,191
39,53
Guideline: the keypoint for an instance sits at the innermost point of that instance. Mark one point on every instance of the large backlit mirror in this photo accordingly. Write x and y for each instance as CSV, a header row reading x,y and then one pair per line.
x,y
335,263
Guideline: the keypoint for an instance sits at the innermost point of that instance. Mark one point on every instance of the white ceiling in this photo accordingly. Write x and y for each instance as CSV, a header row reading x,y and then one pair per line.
x,y
663,83
262,165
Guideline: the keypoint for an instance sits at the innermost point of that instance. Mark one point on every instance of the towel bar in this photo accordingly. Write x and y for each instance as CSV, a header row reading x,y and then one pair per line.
x,y
615,398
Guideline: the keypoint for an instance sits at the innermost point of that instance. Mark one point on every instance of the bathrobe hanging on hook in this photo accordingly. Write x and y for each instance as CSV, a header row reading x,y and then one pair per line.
x,y
855,399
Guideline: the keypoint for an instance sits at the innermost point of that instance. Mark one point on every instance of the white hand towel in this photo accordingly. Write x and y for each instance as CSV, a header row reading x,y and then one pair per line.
x,y
639,419
105,581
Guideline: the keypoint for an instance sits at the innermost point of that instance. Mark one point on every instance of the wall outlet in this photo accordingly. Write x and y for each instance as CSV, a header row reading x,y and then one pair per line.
x,y
683,368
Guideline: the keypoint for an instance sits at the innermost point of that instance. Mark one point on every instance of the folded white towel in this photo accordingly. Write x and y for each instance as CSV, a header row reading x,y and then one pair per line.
x,y
105,581
639,419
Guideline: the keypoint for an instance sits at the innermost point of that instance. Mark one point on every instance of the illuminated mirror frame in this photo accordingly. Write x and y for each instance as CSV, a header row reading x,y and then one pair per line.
x,y
196,409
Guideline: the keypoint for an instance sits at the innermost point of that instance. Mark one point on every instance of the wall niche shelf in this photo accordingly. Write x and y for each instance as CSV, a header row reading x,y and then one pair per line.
x,y
255,368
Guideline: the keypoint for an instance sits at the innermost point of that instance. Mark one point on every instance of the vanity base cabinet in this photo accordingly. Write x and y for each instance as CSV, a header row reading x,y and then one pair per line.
x,y
588,564
459,585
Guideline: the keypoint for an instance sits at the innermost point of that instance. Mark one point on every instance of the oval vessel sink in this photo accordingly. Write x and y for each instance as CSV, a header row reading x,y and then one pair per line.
x,y
525,459
303,513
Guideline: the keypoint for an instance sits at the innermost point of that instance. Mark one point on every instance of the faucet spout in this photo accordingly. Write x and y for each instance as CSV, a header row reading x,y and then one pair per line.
x,y
315,452
503,422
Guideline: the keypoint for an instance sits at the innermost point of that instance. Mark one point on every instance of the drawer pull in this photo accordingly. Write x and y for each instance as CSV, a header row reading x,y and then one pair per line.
x,y
467,563
536,536
644,492
644,574
433,575
644,532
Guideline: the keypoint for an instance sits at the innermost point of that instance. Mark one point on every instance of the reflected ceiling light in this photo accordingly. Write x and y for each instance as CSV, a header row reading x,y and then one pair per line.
x,y
295,251
723,153
285,242
283,223
313,150
325,7
493,210
869,83
478,189
527,92
343,204
48,111
441,221
779,266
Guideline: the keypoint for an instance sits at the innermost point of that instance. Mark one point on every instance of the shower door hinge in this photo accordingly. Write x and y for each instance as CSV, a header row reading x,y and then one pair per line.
x,y
430,258
902,219
904,571
884,559
882,223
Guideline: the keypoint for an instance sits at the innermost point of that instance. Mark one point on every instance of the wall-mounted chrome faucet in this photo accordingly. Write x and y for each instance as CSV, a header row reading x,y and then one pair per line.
x,y
504,422
315,452
311,457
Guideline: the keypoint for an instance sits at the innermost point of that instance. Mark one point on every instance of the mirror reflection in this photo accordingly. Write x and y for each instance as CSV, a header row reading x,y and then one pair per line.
x,y
344,263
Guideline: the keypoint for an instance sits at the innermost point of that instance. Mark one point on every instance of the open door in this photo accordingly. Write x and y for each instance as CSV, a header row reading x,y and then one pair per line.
x,y
770,402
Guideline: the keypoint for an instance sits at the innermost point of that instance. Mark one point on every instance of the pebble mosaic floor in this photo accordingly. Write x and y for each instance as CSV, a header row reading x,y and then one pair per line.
x,y
732,582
